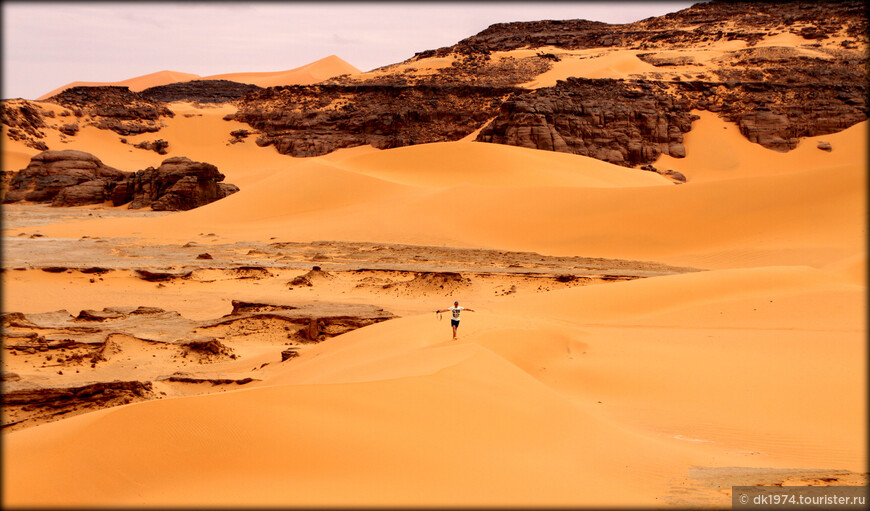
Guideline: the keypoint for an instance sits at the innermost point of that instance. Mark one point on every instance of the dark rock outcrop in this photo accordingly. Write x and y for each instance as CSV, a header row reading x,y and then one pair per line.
x,y
177,184
158,146
631,122
701,23
68,178
76,178
775,94
114,108
200,91
315,120
25,121
621,122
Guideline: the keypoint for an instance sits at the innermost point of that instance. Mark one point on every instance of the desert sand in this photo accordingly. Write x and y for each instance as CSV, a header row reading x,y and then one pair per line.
x,y
313,72
742,363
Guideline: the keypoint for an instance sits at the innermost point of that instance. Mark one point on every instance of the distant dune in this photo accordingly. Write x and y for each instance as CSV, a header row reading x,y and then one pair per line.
x,y
314,72
135,84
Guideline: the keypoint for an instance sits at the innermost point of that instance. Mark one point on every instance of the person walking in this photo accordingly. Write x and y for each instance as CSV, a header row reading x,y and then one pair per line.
x,y
455,311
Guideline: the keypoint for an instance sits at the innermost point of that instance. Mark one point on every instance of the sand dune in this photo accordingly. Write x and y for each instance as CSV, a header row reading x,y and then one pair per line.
x,y
197,132
135,84
810,215
342,424
450,164
717,150
314,72
595,63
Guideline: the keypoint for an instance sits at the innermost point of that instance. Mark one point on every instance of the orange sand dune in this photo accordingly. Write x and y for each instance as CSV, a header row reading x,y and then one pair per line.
x,y
716,150
135,84
810,217
535,405
595,63
449,164
314,72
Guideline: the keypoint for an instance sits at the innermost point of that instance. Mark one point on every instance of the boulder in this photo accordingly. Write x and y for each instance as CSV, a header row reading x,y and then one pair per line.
x,y
51,172
77,178
178,184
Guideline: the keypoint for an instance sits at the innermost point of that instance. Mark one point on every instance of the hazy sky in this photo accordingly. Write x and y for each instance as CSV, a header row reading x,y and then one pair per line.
x,y
46,45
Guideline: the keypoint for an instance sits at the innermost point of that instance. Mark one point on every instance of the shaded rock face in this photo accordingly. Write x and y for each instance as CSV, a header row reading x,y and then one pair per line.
x,y
315,120
158,146
178,184
626,123
471,66
201,91
114,108
778,115
77,178
69,177
25,121
633,122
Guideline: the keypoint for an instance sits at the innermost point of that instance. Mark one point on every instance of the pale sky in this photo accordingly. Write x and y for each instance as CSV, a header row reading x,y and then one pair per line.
x,y
47,45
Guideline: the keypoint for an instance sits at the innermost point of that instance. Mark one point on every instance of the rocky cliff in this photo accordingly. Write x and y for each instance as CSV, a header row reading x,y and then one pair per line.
x,y
633,122
627,123
77,178
177,184
200,91
315,120
114,108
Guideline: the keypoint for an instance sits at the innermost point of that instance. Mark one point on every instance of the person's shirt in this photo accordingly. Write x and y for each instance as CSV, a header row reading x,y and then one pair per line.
x,y
456,311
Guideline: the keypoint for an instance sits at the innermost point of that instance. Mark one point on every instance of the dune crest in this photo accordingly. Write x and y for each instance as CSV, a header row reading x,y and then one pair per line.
x,y
313,72
135,84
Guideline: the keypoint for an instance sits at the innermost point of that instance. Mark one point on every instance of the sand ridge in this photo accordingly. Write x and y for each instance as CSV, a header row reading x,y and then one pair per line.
x,y
313,72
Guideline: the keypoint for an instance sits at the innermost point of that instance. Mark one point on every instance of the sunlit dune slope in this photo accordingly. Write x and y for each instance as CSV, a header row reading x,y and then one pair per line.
x,y
449,164
717,150
535,405
314,72
802,217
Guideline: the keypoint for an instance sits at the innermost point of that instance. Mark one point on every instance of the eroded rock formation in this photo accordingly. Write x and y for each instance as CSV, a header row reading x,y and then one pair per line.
x,y
200,91
114,108
627,123
63,178
318,119
77,178
178,184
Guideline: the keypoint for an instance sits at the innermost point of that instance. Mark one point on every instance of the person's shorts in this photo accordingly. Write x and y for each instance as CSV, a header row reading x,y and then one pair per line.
x,y
454,322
